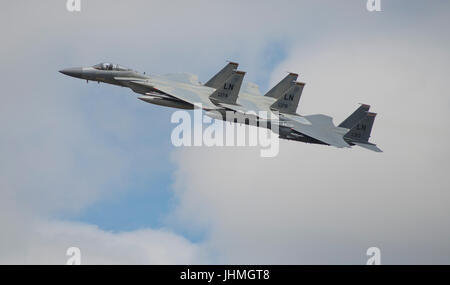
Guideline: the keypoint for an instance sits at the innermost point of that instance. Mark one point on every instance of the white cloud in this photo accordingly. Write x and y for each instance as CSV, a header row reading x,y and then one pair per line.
x,y
46,242
317,204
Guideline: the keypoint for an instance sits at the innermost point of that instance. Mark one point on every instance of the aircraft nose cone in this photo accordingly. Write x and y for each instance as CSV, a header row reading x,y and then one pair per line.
x,y
74,71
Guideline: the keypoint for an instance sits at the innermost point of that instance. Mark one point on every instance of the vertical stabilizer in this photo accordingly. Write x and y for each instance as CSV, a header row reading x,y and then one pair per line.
x,y
284,85
229,89
217,80
361,131
355,117
288,102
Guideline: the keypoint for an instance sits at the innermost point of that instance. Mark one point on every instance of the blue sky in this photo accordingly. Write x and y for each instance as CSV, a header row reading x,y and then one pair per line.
x,y
148,197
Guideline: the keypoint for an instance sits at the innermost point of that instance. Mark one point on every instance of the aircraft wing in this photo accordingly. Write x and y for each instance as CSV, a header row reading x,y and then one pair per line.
x,y
320,127
250,88
194,94
248,103
189,93
181,77
250,108
128,78
186,78
235,108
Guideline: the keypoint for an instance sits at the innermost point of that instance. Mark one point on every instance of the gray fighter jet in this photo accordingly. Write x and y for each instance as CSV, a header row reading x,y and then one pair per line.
x,y
171,90
222,94
319,129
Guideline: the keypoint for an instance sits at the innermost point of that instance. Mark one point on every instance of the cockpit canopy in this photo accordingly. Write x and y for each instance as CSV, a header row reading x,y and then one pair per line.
x,y
110,66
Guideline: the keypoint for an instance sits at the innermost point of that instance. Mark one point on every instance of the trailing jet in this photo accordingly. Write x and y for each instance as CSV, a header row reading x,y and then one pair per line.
x,y
319,129
223,93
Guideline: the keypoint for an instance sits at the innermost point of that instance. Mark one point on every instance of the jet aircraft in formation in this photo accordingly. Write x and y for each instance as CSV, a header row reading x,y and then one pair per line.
x,y
223,94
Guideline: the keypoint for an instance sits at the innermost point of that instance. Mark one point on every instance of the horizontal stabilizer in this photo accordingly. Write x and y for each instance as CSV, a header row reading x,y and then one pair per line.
x,y
368,146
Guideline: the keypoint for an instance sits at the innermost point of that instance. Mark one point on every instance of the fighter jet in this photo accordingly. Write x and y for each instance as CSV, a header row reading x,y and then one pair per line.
x,y
172,90
319,129
222,94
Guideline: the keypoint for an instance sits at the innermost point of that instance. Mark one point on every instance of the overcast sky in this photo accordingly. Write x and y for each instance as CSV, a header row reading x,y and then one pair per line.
x,y
90,166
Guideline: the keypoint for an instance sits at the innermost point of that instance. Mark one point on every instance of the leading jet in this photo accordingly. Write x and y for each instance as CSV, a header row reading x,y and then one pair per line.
x,y
172,90
223,93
